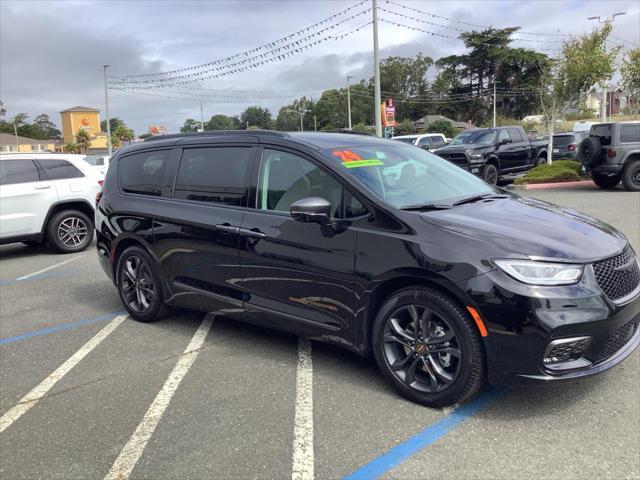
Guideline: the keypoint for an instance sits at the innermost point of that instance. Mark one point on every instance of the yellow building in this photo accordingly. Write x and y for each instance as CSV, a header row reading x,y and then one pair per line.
x,y
83,118
12,144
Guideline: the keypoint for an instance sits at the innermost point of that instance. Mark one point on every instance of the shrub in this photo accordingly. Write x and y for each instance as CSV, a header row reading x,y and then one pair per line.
x,y
441,126
560,171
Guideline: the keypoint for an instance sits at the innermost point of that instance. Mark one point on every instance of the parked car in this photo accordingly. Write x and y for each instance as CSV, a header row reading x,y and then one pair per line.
x,y
426,141
47,197
99,162
565,145
493,152
612,153
446,280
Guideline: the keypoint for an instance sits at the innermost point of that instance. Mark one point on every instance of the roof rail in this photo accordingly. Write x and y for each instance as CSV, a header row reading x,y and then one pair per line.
x,y
215,133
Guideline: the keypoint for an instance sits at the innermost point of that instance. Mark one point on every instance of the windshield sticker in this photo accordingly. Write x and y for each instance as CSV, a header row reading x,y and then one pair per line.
x,y
353,160
380,155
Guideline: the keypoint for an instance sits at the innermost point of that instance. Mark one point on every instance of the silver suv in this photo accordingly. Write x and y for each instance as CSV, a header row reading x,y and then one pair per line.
x,y
612,153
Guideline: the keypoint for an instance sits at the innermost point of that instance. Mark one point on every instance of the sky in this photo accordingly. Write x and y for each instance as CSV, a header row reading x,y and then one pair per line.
x,y
52,52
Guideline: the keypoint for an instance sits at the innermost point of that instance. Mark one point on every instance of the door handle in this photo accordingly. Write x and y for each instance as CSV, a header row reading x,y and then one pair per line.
x,y
253,233
42,187
227,228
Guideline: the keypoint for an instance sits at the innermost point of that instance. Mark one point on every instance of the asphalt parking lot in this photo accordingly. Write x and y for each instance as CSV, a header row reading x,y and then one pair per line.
x,y
86,393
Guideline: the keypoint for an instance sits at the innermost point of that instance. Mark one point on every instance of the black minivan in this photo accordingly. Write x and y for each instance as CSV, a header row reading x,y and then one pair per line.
x,y
374,245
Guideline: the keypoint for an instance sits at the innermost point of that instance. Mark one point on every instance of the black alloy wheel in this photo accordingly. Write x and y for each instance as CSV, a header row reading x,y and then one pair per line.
x,y
491,174
428,347
139,285
421,348
631,176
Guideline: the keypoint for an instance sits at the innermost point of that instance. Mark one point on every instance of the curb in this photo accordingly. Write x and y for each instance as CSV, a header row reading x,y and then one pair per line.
x,y
555,185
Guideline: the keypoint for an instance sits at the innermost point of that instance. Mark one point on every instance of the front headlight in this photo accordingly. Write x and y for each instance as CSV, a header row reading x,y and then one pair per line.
x,y
476,158
541,273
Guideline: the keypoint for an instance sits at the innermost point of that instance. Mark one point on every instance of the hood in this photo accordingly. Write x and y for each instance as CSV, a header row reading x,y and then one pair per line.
x,y
462,148
524,226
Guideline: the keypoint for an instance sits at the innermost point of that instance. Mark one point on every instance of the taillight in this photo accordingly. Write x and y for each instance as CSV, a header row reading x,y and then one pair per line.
x,y
98,197
571,147
611,152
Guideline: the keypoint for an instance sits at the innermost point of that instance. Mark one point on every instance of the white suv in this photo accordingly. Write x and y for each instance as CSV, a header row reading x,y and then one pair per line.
x,y
426,141
47,197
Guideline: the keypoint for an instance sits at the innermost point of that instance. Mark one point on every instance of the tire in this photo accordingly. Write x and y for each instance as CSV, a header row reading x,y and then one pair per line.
x,y
70,231
139,285
605,182
433,379
541,161
490,174
590,152
631,176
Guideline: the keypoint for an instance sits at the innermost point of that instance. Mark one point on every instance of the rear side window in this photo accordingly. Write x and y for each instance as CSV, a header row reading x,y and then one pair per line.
x,y
60,169
146,173
424,141
18,171
436,141
630,133
215,175
562,140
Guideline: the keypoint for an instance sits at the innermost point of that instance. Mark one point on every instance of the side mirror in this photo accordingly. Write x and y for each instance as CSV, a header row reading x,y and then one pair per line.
x,y
425,146
311,210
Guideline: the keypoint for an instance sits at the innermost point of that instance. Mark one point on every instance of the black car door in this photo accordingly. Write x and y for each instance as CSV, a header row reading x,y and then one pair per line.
x,y
196,232
520,148
298,276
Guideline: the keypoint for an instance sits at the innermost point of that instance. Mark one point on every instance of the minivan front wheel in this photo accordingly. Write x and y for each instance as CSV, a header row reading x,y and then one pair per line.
x,y
428,347
139,285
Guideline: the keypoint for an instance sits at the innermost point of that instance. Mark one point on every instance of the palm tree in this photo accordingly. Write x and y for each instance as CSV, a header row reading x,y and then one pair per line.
x,y
70,148
83,140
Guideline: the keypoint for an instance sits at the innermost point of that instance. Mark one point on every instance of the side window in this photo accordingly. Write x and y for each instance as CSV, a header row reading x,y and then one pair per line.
x,y
18,171
515,136
436,142
60,169
354,208
214,174
286,178
630,133
146,173
503,135
424,141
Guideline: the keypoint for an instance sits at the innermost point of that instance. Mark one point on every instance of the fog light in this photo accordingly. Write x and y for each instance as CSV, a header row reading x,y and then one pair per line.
x,y
565,349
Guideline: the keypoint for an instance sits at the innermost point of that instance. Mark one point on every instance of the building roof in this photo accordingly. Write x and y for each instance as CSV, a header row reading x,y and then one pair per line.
x,y
80,109
428,119
8,139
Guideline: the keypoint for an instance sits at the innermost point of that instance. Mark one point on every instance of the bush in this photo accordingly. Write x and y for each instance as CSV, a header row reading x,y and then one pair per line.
x,y
559,171
405,127
441,126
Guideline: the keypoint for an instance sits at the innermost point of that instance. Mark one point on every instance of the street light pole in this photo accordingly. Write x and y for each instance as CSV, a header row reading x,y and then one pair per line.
x,y
349,100
376,71
315,124
201,118
106,111
604,100
494,103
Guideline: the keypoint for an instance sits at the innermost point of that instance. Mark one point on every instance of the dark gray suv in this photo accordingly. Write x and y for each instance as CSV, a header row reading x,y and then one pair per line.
x,y
612,153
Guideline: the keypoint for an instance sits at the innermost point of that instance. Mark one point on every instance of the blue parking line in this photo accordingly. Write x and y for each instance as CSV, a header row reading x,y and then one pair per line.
x,y
398,454
59,328
42,276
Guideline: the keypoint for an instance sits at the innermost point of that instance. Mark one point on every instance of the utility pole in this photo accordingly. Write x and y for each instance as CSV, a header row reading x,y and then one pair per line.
x,y
494,103
376,71
301,113
349,100
201,118
15,130
604,99
315,124
106,111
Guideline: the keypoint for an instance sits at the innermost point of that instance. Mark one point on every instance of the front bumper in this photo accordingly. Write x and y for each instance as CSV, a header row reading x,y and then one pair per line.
x,y
523,320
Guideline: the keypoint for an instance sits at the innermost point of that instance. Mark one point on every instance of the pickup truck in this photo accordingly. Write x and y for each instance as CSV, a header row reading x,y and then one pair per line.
x,y
492,152
612,153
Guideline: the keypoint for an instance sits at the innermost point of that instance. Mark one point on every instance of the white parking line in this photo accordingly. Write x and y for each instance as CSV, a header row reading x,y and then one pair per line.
x,y
24,277
131,452
303,460
34,396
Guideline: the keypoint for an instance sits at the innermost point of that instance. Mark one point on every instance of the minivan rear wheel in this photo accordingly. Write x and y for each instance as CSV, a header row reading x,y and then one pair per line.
x,y
139,285
428,348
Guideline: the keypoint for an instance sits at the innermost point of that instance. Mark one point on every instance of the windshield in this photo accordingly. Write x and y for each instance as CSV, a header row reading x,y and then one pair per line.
x,y
406,139
484,137
94,160
405,176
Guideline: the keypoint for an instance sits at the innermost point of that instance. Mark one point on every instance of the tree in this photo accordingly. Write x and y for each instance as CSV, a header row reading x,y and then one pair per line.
x,y
630,72
405,80
46,127
123,134
3,111
257,117
114,123
406,127
190,126
222,122
443,127
83,140
70,147
289,119
583,63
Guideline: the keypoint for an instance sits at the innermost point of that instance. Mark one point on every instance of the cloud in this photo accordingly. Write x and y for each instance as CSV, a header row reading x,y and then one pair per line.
x,y
51,58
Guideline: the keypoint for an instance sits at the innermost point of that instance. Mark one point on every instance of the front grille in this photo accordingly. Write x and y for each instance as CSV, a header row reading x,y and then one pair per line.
x,y
618,276
458,158
619,338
